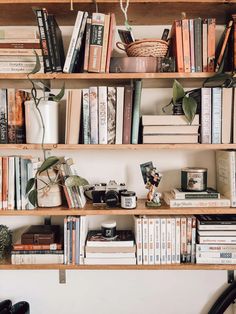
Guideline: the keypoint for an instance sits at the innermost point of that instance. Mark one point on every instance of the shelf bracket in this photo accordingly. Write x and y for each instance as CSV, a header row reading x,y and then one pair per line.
x,y
62,276
230,276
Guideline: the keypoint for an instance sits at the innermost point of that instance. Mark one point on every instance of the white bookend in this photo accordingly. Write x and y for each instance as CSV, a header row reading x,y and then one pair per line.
x,y
119,113
83,235
138,239
11,183
93,113
168,240
183,243
111,115
73,41
189,239
194,235
157,240
145,241
18,183
86,117
173,240
102,114
206,116
163,241
1,183
225,175
227,102
216,115
177,239
150,241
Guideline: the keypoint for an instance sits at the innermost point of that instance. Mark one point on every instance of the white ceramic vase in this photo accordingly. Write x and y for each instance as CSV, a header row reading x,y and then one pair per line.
x,y
34,128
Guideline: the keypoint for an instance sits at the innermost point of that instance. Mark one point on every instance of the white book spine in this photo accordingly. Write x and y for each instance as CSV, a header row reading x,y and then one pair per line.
x,y
138,239
150,241
145,241
102,114
65,241
157,241
83,235
119,114
216,115
73,41
217,240
93,112
168,240
110,255
1,206
200,203
11,183
194,234
111,115
227,95
23,259
110,261
163,241
77,240
183,245
215,248
86,116
216,227
225,255
177,239
69,248
216,261
189,239
173,240
18,183
206,116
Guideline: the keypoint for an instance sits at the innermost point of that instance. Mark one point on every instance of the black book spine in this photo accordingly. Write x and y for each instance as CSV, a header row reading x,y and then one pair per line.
x,y
48,39
43,41
56,40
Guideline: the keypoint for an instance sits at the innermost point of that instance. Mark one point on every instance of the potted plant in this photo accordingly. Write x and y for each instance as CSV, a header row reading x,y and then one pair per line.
x,y
45,188
5,242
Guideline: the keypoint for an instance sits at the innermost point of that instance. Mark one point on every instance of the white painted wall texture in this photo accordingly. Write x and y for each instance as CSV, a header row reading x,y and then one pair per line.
x,y
126,292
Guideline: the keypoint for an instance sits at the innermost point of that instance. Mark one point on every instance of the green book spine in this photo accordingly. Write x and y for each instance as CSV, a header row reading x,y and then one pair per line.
x,y
136,111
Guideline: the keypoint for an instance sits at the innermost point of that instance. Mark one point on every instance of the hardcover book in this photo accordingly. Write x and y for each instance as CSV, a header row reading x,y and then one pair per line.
x,y
123,238
111,115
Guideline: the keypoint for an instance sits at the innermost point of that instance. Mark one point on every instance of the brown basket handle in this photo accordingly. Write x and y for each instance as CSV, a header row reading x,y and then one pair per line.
x,y
121,46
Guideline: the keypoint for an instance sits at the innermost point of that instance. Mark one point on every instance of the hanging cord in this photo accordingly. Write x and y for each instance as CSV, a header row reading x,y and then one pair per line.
x,y
71,5
125,10
96,6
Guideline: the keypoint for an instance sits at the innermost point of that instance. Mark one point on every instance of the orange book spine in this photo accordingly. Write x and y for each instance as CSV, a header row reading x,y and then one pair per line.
x,y
179,45
186,46
4,182
30,247
211,45
111,40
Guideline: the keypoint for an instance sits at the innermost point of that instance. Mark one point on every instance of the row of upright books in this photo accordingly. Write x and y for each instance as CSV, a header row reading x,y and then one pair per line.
x,y
17,46
165,240
12,116
91,43
103,115
193,44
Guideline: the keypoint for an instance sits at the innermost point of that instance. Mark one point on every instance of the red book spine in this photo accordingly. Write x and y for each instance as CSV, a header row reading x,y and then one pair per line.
x,y
211,45
179,45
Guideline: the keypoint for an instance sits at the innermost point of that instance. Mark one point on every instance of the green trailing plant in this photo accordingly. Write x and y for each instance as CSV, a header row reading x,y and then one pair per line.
x,y
49,163
189,104
5,240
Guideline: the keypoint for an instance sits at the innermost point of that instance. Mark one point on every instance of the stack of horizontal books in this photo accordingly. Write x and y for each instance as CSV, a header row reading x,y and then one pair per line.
x,y
169,129
119,250
17,46
208,198
216,239
39,244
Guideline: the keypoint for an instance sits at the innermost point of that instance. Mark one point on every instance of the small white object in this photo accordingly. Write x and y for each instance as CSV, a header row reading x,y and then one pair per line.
x,y
34,128
108,224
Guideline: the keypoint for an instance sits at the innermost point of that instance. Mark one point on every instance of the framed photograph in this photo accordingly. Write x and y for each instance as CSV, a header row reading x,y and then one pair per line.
x,y
146,170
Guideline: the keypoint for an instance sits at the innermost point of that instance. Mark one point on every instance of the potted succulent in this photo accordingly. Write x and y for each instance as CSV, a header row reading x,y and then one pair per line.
x,y
45,188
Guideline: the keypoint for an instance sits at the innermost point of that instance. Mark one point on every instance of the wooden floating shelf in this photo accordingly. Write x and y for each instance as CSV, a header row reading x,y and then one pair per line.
x,y
113,1
141,209
78,147
106,76
118,267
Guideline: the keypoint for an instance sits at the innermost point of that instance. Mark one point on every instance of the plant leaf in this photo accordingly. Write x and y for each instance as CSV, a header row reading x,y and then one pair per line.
x,y
189,108
75,181
60,95
48,163
29,185
33,197
37,66
178,91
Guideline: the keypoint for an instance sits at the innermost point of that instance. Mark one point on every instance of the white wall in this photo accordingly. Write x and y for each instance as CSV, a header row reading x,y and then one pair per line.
x,y
126,292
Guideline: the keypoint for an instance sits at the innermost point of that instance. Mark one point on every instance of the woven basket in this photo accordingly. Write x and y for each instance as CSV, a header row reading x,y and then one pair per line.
x,y
145,48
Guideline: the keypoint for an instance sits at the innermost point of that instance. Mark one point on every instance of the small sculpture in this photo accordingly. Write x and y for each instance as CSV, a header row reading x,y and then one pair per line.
x,y
151,178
